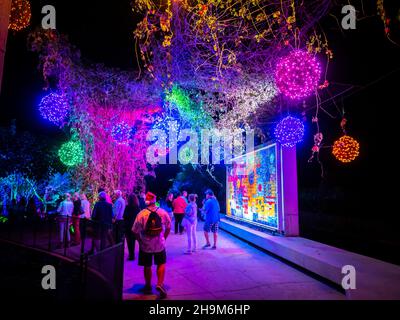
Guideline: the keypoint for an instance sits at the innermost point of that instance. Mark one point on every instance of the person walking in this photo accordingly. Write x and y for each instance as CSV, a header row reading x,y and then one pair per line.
x,y
179,205
190,223
168,203
152,227
130,213
102,216
211,210
118,215
65,212
85,206
76,217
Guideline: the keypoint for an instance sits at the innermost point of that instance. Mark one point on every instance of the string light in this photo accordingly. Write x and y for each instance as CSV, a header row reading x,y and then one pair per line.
x,y
121,133
54,108
289,131
297,74
20,15
71,153
186,155
346,149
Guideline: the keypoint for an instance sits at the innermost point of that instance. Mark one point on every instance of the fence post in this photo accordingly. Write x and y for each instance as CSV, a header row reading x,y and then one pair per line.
x,y
50,232
66,227
83,234
83,263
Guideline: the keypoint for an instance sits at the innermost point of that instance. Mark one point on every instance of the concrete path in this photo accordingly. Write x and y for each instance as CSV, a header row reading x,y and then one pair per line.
x,y
235,271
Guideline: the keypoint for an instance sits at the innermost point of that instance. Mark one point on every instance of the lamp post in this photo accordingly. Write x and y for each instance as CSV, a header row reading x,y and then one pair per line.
x,y
5,8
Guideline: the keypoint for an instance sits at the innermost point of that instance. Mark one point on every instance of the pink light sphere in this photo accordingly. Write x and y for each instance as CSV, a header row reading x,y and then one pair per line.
x,y
297,74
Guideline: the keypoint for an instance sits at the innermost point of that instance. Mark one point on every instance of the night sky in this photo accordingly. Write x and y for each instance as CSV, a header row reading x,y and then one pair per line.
x,y
103,33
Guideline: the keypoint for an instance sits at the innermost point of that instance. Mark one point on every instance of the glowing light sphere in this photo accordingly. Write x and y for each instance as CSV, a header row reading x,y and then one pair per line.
x,y
346,149
71,153
121,133
297,74
186,155
289,131
20,15
54,107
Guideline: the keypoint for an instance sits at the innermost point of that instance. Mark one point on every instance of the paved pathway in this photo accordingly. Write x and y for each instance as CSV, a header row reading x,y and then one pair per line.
x,y
235,271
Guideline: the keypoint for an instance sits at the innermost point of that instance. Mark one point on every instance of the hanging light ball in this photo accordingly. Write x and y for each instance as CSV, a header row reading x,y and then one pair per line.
x,y
346,149
289,131
20,15
297,74
186,155
54,107
121,133
71,153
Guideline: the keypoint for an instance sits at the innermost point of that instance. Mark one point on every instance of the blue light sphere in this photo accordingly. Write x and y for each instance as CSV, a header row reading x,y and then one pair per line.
x,y
121,133
289,131
54,108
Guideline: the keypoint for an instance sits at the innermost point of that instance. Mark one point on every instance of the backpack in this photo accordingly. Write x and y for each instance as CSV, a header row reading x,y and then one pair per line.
x,y
153,225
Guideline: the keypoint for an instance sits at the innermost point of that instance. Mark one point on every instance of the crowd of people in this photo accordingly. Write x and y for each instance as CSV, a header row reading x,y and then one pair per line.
x,y
135,217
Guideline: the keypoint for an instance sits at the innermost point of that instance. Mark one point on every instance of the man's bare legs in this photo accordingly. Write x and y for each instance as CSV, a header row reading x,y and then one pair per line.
x,y
147,276
160,274
207,238
215,239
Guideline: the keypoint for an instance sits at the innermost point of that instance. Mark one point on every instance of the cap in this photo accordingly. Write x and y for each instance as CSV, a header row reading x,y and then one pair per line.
x,y
150,197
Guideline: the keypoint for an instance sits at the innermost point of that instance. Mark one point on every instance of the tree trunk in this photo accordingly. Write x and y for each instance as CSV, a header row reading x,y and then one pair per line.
x,y
5,7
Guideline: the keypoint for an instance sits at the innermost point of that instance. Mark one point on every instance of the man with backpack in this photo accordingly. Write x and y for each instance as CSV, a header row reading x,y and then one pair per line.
x,y
152,227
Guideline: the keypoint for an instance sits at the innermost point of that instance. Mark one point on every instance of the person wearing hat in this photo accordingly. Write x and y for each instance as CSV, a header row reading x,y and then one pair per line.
x,y
102,216
152,227
211,210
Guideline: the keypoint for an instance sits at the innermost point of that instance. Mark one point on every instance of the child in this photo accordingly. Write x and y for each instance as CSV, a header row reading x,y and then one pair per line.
x,y
190,223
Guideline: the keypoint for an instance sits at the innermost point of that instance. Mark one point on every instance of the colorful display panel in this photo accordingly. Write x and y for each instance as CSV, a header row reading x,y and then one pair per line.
x,y
252,188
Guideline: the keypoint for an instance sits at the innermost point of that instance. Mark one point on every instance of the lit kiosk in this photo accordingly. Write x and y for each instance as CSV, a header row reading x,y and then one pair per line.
x,y
261,192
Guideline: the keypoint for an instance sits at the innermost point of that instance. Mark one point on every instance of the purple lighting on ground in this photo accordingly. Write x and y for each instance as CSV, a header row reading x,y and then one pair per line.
x,y
289,131
297,74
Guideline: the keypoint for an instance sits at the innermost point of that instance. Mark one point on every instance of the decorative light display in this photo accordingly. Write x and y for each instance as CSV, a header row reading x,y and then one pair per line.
x,y
297,74
20,15
346,149
186,155
71,153
121,133
166,123
54,108
189,111
289,131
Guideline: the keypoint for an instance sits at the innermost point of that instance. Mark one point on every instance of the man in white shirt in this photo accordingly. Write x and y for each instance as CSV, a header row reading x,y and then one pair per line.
x,y
65,212
119,206
118,215
152,242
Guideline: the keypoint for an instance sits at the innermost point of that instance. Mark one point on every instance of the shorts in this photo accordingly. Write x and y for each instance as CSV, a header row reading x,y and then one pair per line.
x,y
211,227
146,258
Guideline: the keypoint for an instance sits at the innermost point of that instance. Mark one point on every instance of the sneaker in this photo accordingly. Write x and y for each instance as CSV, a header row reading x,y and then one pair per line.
x,y
162,291
194,250
188,252
214,247
206,246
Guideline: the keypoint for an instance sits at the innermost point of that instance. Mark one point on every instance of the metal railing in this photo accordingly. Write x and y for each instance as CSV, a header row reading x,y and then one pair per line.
x,y
97,247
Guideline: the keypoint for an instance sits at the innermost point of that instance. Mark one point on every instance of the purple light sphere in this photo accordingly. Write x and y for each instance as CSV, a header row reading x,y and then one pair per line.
x,y
297,74
54,108
289,131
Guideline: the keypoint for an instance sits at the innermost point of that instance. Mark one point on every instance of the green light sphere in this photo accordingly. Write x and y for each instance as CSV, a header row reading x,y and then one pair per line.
x,y
71,153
